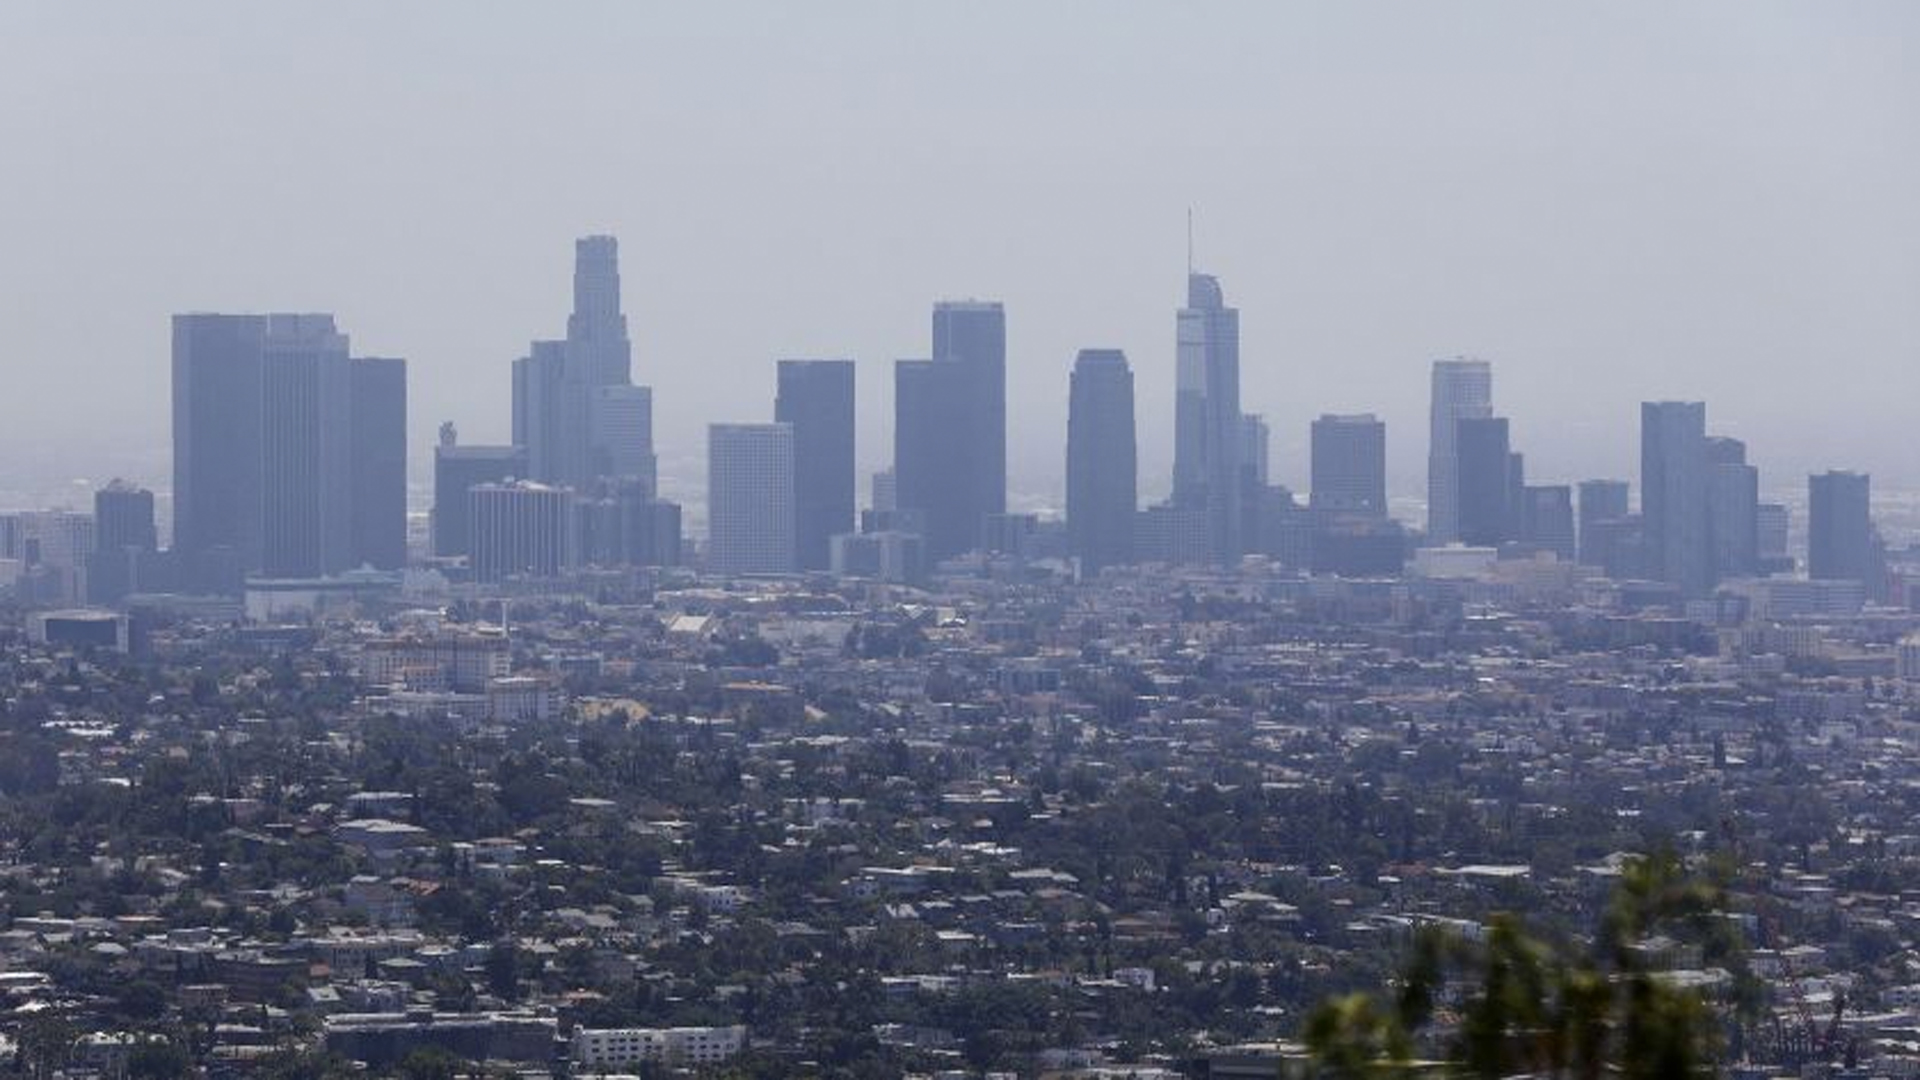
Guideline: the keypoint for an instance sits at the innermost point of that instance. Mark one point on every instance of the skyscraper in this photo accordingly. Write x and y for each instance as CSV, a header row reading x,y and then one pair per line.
x,y
815,397
750,505
558,384
1462,390
522,529
597,342
1673,494
289,457
307,448
124,541
950,426
1349,465
378,501
1478,482
216,448
1775,525
1840,527
1102,465
123,517
1733,509
539,419
1207,432
456,471
621,422
1600,501
1548,519
1256,440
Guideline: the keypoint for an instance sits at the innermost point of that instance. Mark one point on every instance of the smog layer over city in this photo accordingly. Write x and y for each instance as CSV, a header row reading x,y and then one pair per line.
x,y
1004,539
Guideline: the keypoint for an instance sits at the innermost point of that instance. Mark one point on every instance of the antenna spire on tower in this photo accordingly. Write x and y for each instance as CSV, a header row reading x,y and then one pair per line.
x,y
1189,240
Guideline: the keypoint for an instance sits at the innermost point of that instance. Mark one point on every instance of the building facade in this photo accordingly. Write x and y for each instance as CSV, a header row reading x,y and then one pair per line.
x,y
750,498
1102,463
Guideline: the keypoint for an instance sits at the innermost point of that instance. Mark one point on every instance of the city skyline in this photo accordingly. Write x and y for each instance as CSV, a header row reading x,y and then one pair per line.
x,y
316,435
1383,192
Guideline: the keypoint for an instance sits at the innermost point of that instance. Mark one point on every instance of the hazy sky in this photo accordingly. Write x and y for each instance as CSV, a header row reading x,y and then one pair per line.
x,y
1611,202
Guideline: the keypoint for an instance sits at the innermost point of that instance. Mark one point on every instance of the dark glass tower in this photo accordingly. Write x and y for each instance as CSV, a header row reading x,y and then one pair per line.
x,y
1733,509
815,397
124,541
379,502
216,448
1600,501
1479,483
1102,477
1840,526
1673,494
1350,465
123,518
950,429
306,448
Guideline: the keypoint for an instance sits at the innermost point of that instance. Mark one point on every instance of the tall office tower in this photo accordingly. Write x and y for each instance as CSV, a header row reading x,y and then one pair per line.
x,y
1600,500
123,517
124,541
950,428
1462,390
522,529
750,511
1102,465
1256,442
306,448
216,448
815,397
597,331
1774,522
621,422
1733,509
456,471
1673,494
378,502
539,419
1548,519
1840,527
1516,527
555,385
929,466
1478,485
1207,420
1349,465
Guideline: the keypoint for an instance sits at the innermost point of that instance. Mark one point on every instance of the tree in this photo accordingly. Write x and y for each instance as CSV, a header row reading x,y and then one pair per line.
x,y
1546,1011
158,1059
429,1063
46,1042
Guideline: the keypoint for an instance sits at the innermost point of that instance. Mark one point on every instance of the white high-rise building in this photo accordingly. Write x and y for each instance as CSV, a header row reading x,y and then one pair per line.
x,y
1462,390
750,517
522,529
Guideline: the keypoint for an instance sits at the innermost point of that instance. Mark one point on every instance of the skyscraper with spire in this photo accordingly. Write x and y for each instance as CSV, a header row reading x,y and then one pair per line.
x,y
1207,426
572,406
